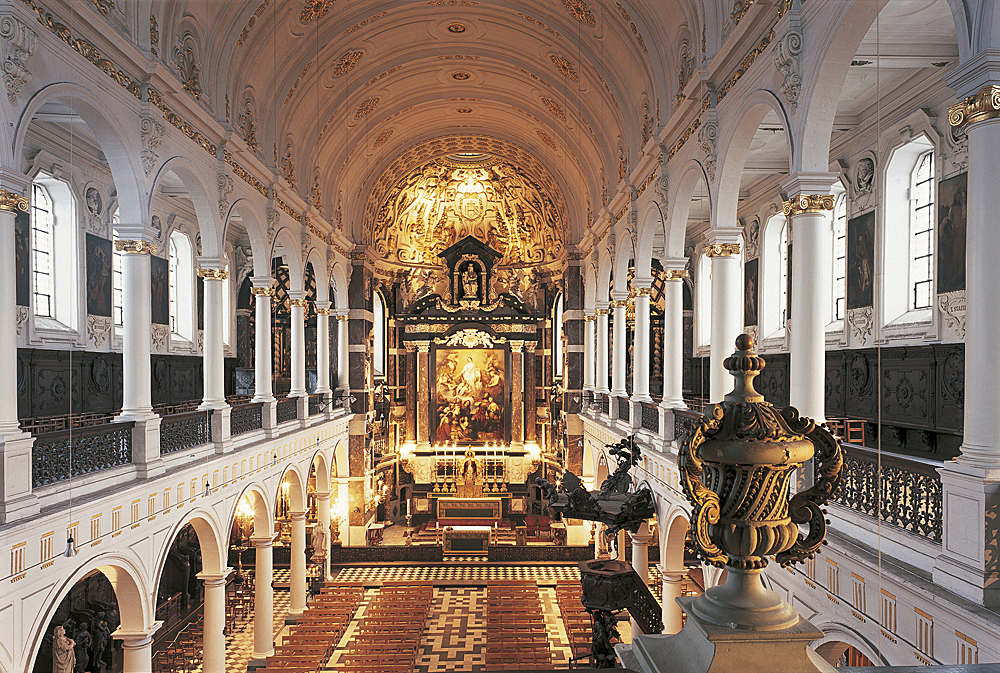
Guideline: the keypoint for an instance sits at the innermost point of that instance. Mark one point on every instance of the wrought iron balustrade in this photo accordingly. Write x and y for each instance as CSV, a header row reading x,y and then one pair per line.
x,y
684,420
606,405
906,492
246,418
184,431
650,417
624,409
287,409
94,448
315,404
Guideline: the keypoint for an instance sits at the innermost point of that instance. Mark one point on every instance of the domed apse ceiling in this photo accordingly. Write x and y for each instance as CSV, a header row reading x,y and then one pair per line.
x,y
461,194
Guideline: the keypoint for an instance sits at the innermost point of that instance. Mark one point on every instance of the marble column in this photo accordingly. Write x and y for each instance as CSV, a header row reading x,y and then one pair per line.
x,y
298,304
137,648
136,244
969,563
343,382
423,395
673,333
640,560
411,392
602,349
15,445
323,312
808,212
214,274
213,639
298,564
530,393
619,345
262,292
727,307
323,523
516,394
640,349
263,609
588,352
673,582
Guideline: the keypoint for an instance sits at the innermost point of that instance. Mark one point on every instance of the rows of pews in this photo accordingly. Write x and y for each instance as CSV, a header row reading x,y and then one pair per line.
x,y
388,635
576,619
311,640
516,638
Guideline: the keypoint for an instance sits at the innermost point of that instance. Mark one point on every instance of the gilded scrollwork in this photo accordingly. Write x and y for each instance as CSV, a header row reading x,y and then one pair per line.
x,y
470,338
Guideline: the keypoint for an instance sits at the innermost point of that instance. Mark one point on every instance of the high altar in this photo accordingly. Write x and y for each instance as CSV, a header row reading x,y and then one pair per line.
x,y
470,359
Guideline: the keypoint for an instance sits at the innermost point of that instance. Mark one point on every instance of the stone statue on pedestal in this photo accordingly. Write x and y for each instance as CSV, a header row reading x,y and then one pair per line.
x,y
63,651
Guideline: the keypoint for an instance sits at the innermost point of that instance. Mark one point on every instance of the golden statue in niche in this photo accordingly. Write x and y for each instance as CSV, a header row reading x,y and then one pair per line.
x,y
452,197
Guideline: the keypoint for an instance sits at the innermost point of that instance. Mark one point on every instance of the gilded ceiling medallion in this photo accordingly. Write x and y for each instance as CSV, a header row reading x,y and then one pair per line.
x,y
554,108
382,138
579,10
565,67
457,28
467,194
546,139
315,9
464,110
460,76
347,62
366,107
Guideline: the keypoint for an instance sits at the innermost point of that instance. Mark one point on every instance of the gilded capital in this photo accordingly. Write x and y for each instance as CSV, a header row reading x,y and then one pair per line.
x,y
516,346
135,247
675,274
298,302
589,318
12,201
602,311
213,274
619,303
424,346
643,291
976,108
343,318
324,311
722,250
807,203
262,291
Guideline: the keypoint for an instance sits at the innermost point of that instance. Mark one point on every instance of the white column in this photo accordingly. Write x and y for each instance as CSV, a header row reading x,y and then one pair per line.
x,y
323,523
214,276
619,347
214,640
298,580
602,349
673,581
263,609
262,292
640,561
343,380
673,334
588,352
15,446
323,312
343,500
727,307
298,387
137,648
640,349
812,268
135,241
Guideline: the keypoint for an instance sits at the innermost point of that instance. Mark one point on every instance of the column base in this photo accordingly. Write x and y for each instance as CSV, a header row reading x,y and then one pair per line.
x,y
269,417
18,502
704,648
146,446
220,429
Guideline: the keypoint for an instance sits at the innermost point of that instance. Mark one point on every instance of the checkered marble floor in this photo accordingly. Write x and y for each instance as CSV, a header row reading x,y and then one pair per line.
x,y
239,644
457,573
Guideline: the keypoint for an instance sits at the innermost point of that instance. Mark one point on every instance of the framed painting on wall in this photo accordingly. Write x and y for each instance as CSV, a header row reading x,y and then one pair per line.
x,y
469,400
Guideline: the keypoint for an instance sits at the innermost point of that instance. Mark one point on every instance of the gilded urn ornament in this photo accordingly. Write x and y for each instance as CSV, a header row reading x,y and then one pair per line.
x,y
736,465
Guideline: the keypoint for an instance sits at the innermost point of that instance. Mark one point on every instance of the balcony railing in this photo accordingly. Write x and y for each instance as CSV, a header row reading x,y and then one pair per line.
x,y
684,420
315,404
184,431
903,491
94,448
287,409
606,405
650,417
246,418
624,409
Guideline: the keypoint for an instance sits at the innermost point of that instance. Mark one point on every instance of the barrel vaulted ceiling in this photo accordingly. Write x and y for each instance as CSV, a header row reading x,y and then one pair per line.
x,y
339,94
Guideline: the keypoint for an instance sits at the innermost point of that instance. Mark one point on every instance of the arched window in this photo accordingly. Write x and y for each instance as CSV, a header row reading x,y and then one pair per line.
x,y
379,333
116,276
838,304
54,262
908,215
703,290
557,332
181,286
774,277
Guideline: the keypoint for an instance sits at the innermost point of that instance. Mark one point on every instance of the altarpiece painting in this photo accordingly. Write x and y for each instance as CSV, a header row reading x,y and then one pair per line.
x,y
470,395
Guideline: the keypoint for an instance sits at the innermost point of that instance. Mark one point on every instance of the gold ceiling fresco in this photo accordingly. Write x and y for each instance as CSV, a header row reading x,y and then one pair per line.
x,y
452,197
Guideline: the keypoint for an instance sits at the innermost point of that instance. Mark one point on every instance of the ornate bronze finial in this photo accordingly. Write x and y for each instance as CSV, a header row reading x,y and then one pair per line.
x,y
736,465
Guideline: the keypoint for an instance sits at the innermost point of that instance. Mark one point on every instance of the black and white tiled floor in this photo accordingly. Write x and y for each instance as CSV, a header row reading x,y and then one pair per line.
x,y
457,573
239,644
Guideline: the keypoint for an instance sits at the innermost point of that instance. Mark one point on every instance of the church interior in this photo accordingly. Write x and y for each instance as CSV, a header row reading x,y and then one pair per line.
x,y
414,390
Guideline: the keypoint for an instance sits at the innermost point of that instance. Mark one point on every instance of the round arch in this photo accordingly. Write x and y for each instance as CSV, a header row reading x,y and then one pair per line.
x,y
205,212
252,225
589,290
651,222
296,488
672,545
623,254
319,271
210,540
322,471
112,135
124,571
680,205
296,271
263,518
338,278
836,639
604,277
